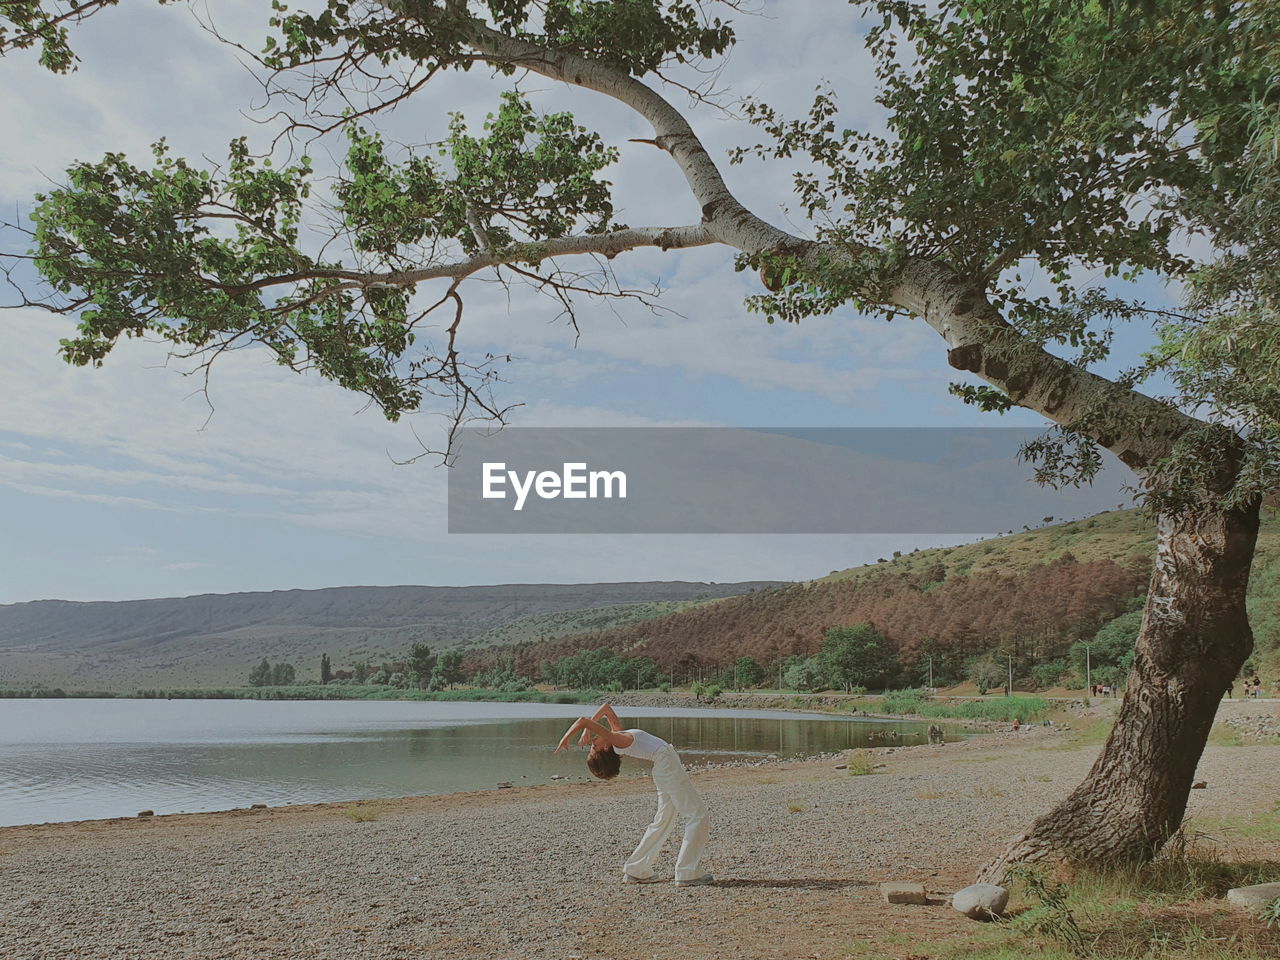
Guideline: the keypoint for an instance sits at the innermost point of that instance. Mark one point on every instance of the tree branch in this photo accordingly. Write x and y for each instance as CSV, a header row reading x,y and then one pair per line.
x,y
727,220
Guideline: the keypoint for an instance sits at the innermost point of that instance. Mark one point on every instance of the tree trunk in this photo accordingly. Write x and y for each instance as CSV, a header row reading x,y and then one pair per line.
x,y
1194,638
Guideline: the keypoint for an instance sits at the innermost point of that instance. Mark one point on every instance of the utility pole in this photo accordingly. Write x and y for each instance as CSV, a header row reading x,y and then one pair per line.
x,y
1010,687
931,673
1088,671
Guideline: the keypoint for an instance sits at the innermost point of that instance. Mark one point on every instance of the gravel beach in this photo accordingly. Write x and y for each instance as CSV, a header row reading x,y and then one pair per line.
x,y
797,850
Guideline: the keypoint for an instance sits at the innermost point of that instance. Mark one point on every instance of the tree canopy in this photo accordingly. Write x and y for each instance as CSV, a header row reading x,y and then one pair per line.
x,y
1023,136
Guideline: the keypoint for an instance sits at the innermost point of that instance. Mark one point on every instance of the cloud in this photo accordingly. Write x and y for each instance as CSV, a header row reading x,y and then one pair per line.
x,y
282,458
185,565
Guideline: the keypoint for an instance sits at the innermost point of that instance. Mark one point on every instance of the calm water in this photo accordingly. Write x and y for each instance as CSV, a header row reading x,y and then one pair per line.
x,y
86,759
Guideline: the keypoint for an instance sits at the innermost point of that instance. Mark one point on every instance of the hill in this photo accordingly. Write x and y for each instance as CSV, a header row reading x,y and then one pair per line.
x,y
1028,595
213,639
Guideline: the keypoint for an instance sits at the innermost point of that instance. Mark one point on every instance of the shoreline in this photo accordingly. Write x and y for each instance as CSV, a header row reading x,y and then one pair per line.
x,y
1249,722
798,849
632,780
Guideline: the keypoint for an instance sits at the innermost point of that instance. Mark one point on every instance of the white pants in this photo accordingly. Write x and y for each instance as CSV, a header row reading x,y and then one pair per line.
x,y
676,794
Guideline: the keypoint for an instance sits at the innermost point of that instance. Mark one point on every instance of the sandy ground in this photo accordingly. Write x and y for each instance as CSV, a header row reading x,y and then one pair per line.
x,y
797,850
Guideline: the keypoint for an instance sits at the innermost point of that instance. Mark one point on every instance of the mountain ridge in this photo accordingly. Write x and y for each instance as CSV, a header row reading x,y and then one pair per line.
x,y
212,639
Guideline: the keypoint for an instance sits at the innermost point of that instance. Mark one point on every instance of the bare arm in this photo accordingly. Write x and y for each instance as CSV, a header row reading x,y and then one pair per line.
x,y
596,731
604,713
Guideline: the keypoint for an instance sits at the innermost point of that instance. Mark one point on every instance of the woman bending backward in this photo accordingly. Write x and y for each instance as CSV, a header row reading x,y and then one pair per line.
x,y
676,794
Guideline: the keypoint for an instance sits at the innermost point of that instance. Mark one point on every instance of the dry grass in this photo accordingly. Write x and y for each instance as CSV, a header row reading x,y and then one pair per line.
x,y
362,811
1170,910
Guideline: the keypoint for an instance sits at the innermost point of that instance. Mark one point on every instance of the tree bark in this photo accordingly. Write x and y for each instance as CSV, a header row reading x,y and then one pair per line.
x,y
1194,638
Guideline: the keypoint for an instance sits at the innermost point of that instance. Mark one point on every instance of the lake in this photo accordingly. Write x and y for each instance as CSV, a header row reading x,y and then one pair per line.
x,y
72,759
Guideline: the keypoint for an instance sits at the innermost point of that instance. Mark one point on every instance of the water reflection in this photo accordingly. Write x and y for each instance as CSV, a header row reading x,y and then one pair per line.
x,y
84,759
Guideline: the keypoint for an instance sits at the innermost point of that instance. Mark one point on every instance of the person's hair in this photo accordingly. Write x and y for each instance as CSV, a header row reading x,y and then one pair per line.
x,y
603,761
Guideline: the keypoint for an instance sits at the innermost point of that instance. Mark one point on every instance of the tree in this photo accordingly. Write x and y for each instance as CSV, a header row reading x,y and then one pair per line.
x,y
857,656
809,674
986,673
449,668
282,674
326,669
1111,651
1021,135
421,665
260,675
748,672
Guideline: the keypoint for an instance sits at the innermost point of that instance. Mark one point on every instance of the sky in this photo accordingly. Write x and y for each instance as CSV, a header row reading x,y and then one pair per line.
x,y
128,482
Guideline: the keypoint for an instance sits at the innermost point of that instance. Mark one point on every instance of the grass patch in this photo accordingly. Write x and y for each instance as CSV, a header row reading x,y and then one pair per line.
x,y
1264,826
1006,709
362,811
370,692
1086,733
1169,910
1224,736
862,763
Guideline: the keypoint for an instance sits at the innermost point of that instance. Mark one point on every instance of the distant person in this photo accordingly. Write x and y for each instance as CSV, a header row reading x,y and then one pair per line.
x,y
1231,690
676,794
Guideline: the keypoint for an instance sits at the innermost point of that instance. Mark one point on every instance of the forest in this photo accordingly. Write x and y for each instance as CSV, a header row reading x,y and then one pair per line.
x,y
1034,617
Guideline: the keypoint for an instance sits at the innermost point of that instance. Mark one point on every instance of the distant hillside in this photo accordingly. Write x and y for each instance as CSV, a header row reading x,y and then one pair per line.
x,y
1031,594
213,639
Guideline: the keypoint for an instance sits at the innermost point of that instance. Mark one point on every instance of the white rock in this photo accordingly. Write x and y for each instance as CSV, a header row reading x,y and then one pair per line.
x,y
903,893
1259,895
981,901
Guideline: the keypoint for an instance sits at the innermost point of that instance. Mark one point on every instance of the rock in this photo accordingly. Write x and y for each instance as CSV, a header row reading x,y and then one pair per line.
x,y
505,785
146,813
1199,785
842,766
903,893
258,806
981,901
1259,895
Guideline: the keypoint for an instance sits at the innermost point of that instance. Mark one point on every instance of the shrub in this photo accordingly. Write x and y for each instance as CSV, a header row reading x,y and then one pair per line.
x,y
862,763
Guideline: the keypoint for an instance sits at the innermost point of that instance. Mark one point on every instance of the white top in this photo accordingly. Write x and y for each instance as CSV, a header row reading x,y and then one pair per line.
x,y
644,746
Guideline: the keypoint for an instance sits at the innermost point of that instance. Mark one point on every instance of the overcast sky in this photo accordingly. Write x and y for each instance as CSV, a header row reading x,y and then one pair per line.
x,y
121,483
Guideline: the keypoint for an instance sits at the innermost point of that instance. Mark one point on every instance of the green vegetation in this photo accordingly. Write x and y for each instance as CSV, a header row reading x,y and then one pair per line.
x,y
354,692
857,655
861,763
1115,535
605,669
26,693
1263,827
362,811
1170,910
268,674
552,626
999,708
1110,653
